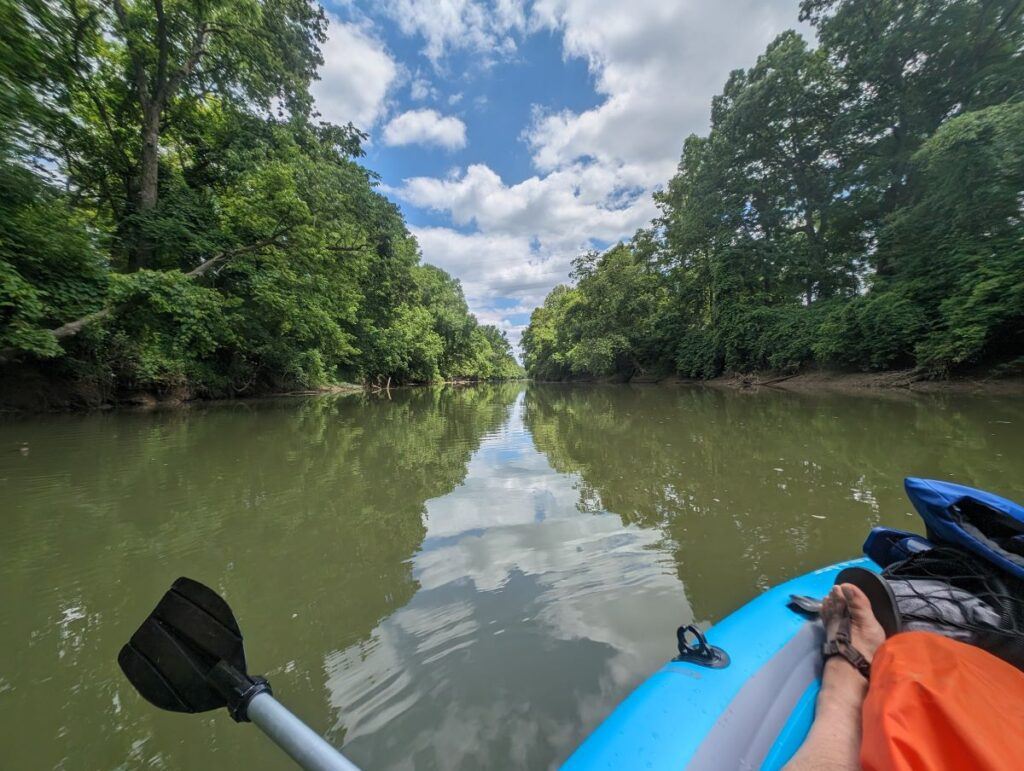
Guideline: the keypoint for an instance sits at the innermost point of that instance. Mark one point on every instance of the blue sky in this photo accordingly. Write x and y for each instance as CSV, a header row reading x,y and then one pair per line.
x,y
516,133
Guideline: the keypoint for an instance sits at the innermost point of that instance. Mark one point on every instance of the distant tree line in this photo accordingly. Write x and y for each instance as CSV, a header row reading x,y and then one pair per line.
x,y
858,205
174,214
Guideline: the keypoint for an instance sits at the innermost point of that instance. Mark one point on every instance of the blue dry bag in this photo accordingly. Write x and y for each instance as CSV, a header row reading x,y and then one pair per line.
x,y
984,524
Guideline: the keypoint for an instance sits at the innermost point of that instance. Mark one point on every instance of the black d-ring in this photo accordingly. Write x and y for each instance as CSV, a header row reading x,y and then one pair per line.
x,y
699,651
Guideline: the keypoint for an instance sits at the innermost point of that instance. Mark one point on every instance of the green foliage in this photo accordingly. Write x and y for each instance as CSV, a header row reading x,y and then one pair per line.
x,y
959,246
855,206
412,346
261,257
608,324
875,332
166,331
496,353
698,355
50,269
546,354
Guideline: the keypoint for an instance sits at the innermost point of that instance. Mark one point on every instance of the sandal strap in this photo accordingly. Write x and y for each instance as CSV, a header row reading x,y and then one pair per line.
x,y
841,646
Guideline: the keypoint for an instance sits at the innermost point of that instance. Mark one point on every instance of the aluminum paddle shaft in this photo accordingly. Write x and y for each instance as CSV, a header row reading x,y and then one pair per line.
x,y
302,743
187,656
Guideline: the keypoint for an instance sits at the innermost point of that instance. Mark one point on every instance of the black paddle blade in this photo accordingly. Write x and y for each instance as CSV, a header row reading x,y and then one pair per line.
x,y
173,658
801,603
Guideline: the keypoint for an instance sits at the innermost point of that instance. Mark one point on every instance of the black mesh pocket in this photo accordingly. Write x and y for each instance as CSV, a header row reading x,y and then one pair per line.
x,y
958,595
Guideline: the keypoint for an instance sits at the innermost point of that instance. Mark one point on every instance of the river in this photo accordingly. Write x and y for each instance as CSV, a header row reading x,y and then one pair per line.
x,y
436,578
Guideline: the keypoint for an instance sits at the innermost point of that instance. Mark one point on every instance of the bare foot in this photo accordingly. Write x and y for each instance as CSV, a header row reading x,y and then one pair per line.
x,y
866,634
834,739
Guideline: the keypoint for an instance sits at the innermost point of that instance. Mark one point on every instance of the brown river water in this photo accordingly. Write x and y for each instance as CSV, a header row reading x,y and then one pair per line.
x,y
452,578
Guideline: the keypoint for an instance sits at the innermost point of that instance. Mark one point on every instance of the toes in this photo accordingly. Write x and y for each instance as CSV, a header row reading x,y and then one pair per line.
x,y
867,632
860,606
828,605
834,601
832,605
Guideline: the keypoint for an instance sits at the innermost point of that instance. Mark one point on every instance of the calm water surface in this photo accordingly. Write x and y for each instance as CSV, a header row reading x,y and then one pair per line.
x,y
453,579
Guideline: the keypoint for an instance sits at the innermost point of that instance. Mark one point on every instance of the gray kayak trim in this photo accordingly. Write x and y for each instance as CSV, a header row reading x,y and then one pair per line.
x,y
746,731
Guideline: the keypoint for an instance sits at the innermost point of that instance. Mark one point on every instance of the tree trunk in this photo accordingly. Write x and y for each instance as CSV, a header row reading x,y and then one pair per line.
x,y
150,160
148,192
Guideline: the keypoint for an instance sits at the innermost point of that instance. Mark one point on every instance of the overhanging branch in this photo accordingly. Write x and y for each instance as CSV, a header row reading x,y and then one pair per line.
x,y
72,328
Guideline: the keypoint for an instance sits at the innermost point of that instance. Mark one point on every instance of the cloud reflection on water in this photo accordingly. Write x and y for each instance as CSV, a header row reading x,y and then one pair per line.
x,y
528,613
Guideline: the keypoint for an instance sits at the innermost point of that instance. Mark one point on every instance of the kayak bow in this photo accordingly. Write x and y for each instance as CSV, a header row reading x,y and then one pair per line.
x,y
752,713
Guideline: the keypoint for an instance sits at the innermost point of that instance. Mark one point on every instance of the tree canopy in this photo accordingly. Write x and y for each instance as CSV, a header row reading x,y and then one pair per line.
x,y
173,213
855,205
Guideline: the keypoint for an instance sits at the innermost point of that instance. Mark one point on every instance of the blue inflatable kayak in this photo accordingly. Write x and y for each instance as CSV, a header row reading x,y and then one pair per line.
x,y
752,713
755,711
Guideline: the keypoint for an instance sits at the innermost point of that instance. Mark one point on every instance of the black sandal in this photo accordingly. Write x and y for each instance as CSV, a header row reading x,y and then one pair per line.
x,y
879,594
883,607
875,588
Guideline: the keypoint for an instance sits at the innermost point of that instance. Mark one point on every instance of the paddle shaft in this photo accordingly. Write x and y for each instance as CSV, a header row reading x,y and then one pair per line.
x,y
302,743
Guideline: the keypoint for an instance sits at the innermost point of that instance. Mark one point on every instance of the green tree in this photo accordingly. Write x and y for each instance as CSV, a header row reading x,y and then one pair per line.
x,y
777,128
854,205
907,67
173,219
138,69
958,247
616,321
50,268
544,342
501,364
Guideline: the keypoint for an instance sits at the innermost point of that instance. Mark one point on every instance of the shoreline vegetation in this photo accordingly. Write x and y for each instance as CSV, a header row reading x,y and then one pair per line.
x,y
855,207
176,220
853,383
53,399
907,381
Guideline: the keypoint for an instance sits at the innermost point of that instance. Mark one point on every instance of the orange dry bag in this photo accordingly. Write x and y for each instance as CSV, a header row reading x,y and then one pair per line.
x,y
936,704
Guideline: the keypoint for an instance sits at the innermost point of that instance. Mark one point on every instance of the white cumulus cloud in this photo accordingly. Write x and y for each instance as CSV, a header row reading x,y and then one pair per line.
x,y
524,235
577,204
493,266
655,67
447,25
425,127
421,89
355,77
657,64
